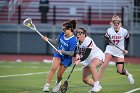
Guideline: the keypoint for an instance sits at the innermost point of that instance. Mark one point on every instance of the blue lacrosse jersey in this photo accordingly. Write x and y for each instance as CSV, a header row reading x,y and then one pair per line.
x,y
67,44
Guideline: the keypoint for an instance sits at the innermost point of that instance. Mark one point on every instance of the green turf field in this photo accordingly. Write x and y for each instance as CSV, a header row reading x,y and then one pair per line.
x,y
29,77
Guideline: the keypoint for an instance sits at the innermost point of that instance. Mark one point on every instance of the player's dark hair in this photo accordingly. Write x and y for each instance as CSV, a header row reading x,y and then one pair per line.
x,y
70,25
84,30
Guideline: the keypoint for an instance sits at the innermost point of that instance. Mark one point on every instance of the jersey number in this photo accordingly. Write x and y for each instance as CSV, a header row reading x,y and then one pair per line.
x,y
116,42
82,51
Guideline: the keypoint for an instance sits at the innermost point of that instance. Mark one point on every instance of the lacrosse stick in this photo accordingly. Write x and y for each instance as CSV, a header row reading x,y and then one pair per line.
x,y
64,87
113,44
28,22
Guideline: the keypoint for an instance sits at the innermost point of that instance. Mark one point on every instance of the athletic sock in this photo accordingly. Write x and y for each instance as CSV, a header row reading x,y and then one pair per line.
x,y
47,84
96,83
127,72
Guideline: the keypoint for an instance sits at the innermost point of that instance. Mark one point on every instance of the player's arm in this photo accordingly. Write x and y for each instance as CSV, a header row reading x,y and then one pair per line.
x,y
69,53
86,54
106,40
64,52
88,50
106,37
126,43
53,41
72,47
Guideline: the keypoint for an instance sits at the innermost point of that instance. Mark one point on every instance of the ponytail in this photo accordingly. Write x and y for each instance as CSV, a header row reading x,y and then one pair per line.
x,y
73,22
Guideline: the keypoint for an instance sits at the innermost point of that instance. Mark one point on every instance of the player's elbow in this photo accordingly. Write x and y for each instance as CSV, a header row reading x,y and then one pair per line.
x,y
71,53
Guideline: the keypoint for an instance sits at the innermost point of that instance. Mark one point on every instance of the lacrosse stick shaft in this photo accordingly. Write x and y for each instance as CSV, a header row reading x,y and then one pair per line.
x,y
47,40
64,87
71,71
117,47
38,32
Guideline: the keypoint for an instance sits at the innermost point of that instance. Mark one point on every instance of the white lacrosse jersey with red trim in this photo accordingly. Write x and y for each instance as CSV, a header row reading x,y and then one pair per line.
x,y
95,52
118,38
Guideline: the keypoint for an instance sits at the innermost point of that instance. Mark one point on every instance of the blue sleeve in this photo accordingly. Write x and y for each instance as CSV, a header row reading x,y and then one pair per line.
x,y
72,44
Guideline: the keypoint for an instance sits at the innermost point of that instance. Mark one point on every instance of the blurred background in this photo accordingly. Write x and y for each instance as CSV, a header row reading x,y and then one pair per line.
x,y
94,15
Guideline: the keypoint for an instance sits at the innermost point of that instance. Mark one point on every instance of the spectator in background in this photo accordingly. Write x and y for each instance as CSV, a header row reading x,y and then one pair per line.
x,y
44,9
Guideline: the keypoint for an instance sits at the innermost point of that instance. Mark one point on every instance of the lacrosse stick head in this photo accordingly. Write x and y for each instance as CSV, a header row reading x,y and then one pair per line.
x,y
64,87
28,22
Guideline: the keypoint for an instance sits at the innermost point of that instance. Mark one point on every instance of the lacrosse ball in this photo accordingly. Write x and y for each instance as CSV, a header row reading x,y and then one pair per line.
x,y
28,24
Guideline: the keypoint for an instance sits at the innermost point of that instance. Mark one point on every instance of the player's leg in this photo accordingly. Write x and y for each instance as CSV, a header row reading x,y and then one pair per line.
x,y
55,65
96,62
108,57
85,76
121,70
60,72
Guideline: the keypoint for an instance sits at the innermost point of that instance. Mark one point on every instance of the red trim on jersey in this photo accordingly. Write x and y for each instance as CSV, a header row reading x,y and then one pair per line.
x,y
107,35
127,36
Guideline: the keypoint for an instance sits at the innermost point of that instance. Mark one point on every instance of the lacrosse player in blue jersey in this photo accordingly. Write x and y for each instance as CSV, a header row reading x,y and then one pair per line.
x,y
67,45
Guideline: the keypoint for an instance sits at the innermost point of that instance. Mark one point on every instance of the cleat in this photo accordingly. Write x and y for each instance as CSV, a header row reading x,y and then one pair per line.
x,y
130,79
89,91
46,88
56,87
100,87
95,89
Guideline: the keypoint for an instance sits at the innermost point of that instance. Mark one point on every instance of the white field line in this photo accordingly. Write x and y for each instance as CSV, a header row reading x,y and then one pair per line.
x,y
133,90
8,66
22,67
27,74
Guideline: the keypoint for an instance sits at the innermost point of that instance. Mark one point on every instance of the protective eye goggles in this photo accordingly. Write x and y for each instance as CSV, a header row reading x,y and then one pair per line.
x,y
79,33
64,29
116,22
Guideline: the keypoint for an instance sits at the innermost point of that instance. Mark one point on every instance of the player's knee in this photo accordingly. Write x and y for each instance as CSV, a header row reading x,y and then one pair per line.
x,y
53,69
122,70
103,67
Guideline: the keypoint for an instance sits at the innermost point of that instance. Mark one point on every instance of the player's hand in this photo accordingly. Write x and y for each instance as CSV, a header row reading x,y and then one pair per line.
x,y
77,62
59,51
125,52
45,38
77,56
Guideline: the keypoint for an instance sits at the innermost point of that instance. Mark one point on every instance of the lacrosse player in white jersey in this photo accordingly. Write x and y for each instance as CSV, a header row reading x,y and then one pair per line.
x,y
116,35
91,57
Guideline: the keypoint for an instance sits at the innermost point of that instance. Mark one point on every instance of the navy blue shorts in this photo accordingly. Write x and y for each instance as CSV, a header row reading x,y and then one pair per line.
x,y
65,60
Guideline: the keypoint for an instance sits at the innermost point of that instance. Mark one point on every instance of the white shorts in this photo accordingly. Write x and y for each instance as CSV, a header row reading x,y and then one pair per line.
x,y
99,55
114,51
